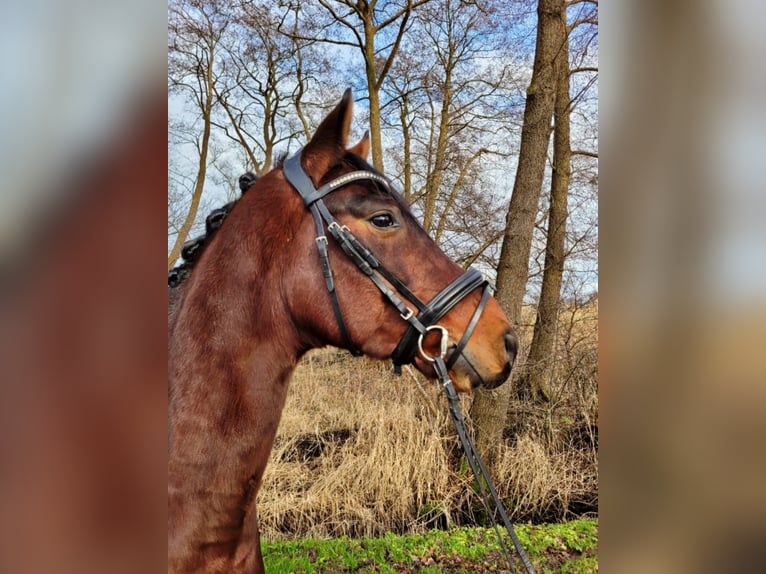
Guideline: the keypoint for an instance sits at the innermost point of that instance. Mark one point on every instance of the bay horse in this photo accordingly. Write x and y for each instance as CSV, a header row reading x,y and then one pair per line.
x,y
259,297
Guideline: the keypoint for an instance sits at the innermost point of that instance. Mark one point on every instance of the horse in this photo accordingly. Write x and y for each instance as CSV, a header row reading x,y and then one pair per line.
x,y
320,251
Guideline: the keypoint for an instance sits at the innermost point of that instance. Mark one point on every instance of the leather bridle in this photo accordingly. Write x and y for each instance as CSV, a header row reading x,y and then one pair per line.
x,y
421,320
420,323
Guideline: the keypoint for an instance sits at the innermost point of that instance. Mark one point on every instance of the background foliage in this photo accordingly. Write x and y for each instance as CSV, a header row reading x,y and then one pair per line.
x,y
446,80
442,86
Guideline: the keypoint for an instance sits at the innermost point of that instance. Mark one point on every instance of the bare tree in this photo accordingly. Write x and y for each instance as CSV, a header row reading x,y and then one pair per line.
x,y
195,30
541,361
404,90
456,87
490,407
361,25
446,101
263,84
540,358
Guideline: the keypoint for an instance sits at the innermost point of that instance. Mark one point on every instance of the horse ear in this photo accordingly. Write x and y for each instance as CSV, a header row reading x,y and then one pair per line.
x,y
328,145
362,149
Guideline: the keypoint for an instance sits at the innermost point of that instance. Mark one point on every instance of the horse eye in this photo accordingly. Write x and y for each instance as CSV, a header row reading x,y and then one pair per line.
x,y
382,220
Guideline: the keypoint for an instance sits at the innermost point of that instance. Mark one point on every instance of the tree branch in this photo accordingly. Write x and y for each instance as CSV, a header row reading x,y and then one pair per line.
x,y
590,20
341,20
407,9
583,70
394,50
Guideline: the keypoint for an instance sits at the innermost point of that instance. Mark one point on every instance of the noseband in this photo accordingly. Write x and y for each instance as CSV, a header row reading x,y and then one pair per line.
x,y
424,318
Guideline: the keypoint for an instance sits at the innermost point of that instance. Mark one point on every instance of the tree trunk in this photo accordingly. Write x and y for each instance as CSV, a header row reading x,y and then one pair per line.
x,y
195,36
541,360
490,408
375,139
434,178
376,66
406,147
368,51
199,185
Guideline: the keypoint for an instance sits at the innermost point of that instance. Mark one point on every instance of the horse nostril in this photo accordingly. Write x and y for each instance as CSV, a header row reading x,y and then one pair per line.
x,y
511,346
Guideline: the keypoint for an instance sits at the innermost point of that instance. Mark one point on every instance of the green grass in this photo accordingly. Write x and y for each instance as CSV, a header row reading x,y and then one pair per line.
x,y
570,547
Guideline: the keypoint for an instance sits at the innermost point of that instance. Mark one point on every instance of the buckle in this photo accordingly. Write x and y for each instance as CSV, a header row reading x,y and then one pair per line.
x,y
338,228
320,239
408,315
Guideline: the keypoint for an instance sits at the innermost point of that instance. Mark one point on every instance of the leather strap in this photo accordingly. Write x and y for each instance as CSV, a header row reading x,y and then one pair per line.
x,y
480,472
437,308
469,329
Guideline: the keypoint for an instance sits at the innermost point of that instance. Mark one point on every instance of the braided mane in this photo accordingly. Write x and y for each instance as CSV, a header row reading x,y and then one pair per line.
x,y
192,249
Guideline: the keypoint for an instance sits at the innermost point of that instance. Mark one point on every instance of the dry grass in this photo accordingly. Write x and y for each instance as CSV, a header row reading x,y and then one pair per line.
x,y
361,452
357,453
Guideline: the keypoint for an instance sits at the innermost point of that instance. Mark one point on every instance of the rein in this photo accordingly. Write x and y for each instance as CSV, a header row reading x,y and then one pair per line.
x,y
480,472
419,325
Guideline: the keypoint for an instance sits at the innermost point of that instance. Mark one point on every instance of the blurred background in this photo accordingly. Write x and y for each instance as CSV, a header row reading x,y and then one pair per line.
x,y
683,287
83,114
83,158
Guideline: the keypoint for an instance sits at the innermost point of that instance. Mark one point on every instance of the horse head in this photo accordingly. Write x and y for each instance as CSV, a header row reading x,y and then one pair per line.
x,y
375,219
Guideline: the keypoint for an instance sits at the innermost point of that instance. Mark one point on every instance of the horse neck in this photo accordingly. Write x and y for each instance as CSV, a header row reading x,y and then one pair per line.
x,y
232,306
232,350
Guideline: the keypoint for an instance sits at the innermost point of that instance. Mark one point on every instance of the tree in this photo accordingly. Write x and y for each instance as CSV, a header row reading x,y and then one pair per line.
x,y
195,30
263,83
403,91
365,21
455,87
541,361
446,96
490,407
534,380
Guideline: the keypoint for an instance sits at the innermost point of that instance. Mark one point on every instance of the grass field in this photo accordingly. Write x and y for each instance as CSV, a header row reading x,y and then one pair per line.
x,y
360,452
570,547
367,474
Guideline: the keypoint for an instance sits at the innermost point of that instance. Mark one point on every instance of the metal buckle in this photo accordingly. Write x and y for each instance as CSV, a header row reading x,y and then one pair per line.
x,y
320,239
408,315
444,344
334,225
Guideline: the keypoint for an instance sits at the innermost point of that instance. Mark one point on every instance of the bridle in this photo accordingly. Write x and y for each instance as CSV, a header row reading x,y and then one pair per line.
x,y
424,318
419,324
